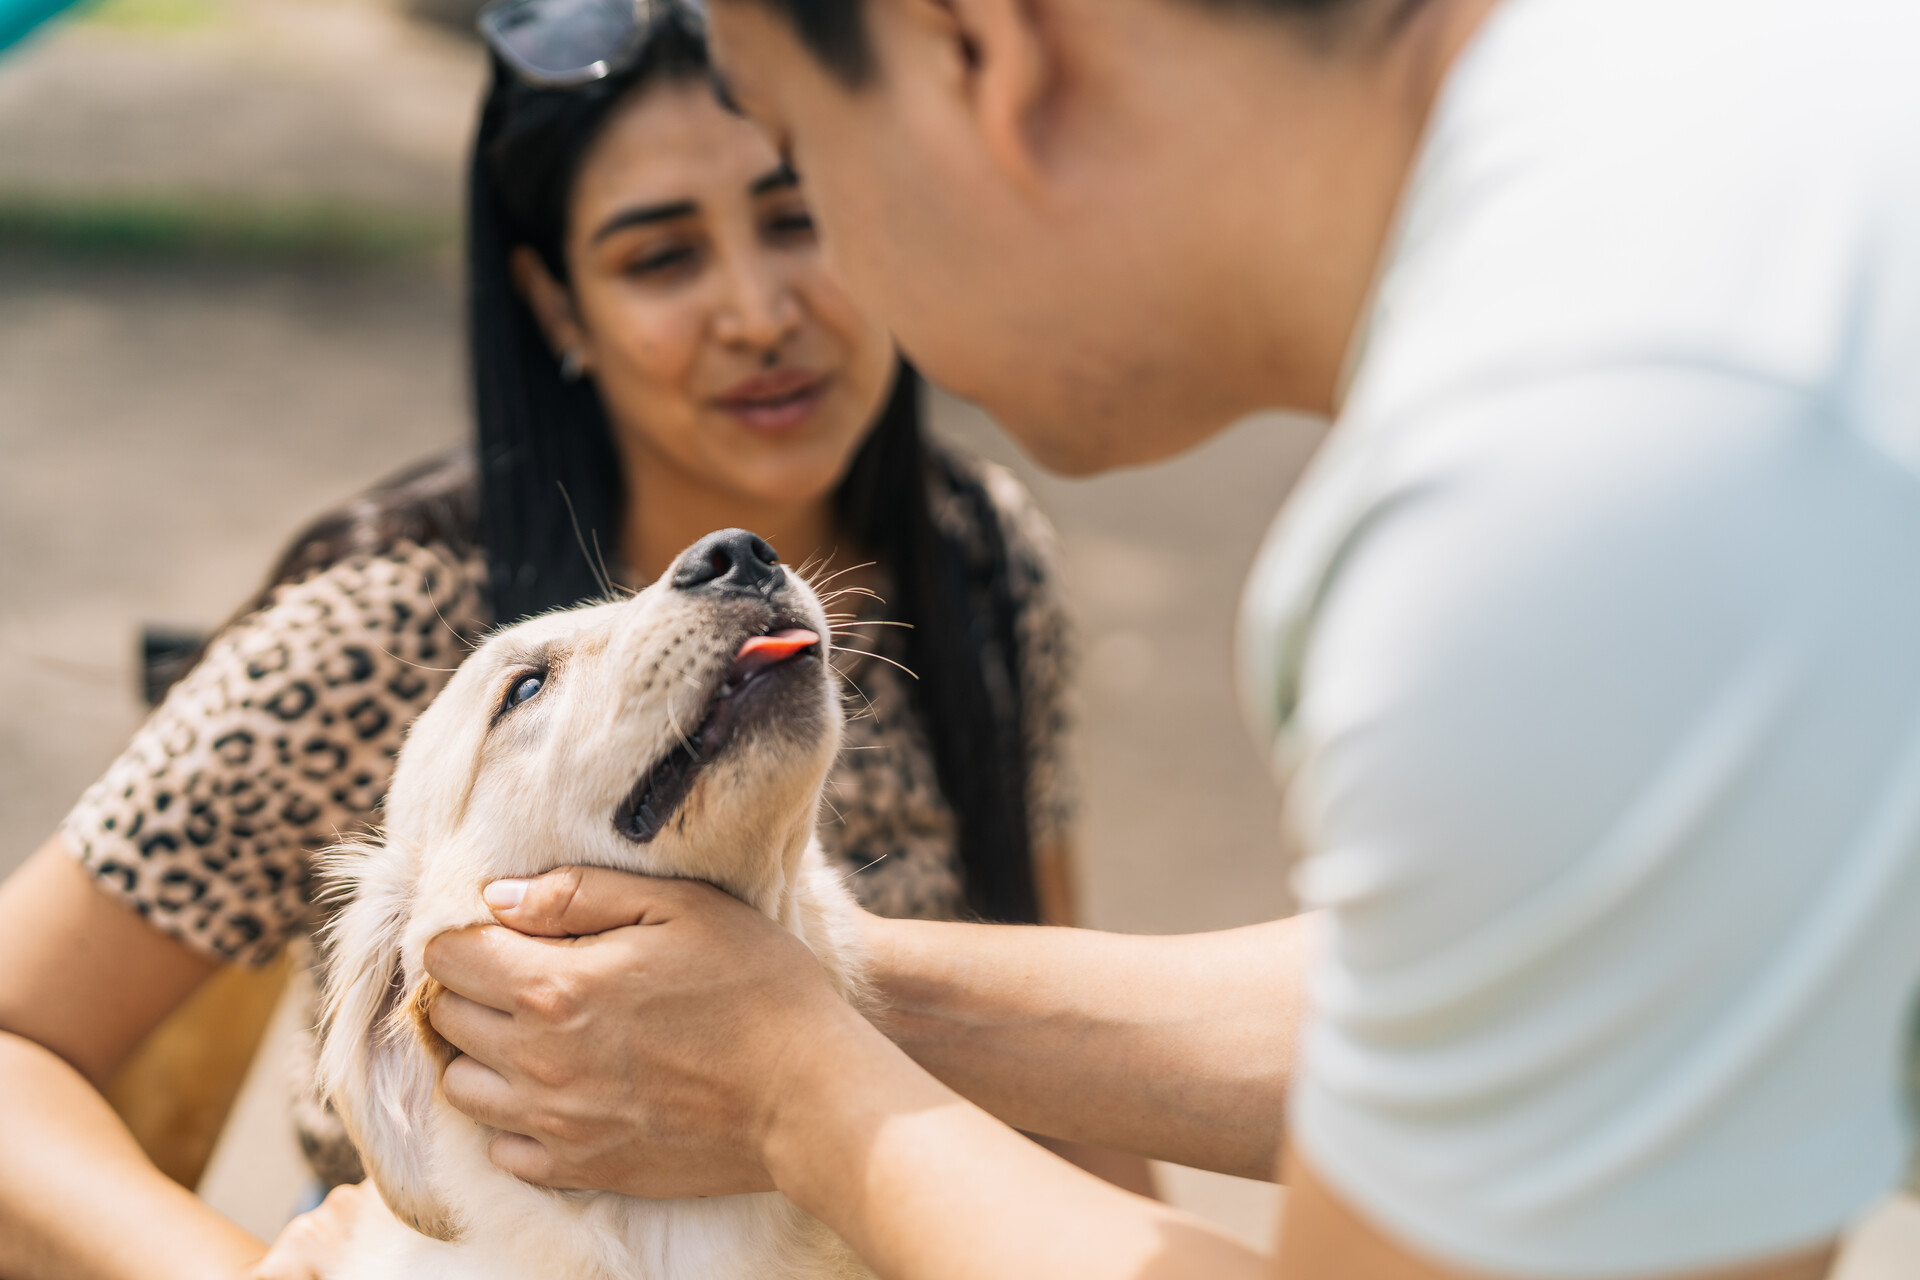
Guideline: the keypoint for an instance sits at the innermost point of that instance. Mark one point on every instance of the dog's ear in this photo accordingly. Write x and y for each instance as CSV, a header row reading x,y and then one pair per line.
x,y
379,1060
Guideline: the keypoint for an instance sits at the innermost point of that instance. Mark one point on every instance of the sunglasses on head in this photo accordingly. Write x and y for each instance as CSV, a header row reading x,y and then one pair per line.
x,y
563,44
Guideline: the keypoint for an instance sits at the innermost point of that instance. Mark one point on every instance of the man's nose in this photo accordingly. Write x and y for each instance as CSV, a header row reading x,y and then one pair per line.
x,y
731,561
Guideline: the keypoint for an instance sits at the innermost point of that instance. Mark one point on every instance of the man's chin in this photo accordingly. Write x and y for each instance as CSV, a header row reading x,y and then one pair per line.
x,y
1066,448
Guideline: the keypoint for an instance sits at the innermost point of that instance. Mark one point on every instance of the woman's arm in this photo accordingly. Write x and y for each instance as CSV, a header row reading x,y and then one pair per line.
x,y
82,982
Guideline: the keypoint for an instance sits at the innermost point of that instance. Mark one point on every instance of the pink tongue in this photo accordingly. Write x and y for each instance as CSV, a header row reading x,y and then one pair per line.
x,y
764,651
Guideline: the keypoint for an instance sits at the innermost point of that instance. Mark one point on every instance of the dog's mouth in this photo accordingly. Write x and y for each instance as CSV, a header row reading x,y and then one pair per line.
x,y
658,795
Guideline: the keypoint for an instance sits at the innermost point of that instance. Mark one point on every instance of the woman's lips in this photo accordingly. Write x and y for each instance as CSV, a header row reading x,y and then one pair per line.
x,y
774,402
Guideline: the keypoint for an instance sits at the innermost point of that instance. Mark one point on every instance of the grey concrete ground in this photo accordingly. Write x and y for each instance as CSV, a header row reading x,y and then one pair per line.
x,y
168,418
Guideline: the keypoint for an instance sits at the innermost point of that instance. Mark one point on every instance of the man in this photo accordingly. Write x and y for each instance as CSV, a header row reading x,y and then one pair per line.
x,y
1587,646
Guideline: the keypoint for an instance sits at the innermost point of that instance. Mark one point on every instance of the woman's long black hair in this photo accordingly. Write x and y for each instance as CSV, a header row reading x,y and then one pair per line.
x,y
551,487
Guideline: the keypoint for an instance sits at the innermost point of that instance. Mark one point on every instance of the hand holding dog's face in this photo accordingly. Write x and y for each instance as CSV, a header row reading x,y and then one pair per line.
x,y
648,1058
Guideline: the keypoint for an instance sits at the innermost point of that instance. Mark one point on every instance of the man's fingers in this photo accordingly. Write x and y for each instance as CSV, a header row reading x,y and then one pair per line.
x,y
522,1157
486,963
471,1027
576,902
480,1093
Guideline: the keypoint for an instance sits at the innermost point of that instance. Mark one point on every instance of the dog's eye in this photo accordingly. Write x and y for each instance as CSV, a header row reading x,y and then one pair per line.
x,y
524,690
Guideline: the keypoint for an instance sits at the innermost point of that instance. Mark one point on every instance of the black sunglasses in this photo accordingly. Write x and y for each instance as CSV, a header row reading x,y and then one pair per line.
x,y
562,44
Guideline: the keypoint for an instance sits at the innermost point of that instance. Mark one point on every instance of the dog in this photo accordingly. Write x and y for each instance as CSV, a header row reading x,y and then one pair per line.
x,y
685,732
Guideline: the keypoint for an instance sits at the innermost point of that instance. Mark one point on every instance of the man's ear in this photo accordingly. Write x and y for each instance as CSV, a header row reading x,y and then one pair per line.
x,y
551,303
1008,61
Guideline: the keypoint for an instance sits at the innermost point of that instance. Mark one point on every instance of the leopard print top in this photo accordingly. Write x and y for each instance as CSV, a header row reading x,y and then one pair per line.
x,y
281,740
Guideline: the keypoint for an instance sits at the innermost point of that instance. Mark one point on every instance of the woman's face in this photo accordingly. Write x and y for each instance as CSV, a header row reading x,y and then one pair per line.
x,y
722,348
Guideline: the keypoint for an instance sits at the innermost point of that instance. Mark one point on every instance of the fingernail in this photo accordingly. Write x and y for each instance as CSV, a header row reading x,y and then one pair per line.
x,y
505,895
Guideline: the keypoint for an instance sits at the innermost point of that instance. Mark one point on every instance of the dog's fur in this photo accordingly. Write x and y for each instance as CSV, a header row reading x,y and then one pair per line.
x,y
484,791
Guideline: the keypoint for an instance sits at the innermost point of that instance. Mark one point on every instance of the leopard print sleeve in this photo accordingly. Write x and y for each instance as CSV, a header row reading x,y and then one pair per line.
x,y
277,743
1044,637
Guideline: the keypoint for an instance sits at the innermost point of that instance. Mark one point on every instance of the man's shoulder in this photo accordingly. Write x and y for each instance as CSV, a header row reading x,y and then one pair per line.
x,y
1715,182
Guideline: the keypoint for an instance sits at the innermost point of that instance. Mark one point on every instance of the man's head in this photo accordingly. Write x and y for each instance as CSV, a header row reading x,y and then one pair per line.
x,y
1119,224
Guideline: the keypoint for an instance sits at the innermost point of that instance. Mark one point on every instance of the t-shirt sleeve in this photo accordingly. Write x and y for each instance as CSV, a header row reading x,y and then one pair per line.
x,y
280,741
1044,634
1608,743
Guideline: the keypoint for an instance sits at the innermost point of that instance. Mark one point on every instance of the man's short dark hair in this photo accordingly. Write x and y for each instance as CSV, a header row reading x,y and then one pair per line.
x,y
836,33
834,30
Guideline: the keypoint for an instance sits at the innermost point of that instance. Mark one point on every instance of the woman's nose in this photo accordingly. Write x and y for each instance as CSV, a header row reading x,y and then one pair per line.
x,y
762,311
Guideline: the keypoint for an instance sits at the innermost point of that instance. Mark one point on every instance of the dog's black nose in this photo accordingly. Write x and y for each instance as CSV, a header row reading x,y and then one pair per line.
x,y
730,560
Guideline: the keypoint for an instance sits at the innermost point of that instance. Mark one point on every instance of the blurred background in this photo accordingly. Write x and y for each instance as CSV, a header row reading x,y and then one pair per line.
x,y
228,301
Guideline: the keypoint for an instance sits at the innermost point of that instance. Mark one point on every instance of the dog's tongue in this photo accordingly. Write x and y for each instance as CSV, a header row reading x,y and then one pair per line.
x,y
764,651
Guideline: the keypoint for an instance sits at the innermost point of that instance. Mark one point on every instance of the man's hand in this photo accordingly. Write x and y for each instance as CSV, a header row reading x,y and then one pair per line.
x,y
639,1041
311,1246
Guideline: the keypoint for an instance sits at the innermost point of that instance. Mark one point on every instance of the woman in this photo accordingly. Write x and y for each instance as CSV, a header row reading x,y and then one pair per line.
x,y
657,352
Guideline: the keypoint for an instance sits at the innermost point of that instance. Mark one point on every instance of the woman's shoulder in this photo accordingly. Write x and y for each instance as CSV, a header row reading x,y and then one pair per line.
x,y
983,506
433,505
282,735
408,539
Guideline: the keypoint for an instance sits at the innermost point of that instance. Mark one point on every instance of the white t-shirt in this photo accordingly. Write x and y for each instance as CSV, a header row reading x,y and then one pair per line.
x,y
1591,645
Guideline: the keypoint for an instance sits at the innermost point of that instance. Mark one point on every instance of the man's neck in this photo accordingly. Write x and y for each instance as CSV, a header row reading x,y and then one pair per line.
x,y
1397,81
1369,90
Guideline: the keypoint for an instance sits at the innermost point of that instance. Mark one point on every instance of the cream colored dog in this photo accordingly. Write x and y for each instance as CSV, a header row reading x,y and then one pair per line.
x,y
685,732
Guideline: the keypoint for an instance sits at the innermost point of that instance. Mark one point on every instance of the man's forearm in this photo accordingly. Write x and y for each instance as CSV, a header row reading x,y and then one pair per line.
x,y
1175,1047
925,1186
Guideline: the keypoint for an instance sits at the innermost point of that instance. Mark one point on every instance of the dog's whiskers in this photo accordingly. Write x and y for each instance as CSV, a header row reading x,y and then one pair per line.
x,y
417,666
833,596
451,629
594,565
808,566
868,653
869,711
615,590
818,584
686,743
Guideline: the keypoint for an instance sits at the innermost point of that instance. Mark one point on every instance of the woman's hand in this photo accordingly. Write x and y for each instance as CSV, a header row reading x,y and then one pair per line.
x,y
641,1040
310,1247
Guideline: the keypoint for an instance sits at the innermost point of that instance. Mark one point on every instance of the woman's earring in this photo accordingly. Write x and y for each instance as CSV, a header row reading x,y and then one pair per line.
x,y
573,364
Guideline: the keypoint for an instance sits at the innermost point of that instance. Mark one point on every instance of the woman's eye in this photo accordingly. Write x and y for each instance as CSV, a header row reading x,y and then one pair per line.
x,y
524,690
655,263
792,224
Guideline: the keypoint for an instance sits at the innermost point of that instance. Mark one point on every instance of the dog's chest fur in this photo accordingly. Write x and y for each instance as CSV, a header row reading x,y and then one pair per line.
x,y
513,1231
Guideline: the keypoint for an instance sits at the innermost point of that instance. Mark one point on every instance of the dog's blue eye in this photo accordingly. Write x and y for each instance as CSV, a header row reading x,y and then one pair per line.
x,y
524,690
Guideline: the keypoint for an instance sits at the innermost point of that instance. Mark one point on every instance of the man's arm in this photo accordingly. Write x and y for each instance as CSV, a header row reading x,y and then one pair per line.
x,y
691,1047
1177,1048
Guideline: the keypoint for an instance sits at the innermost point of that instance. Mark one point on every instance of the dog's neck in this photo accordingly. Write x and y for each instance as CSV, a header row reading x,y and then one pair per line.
x,y
766,883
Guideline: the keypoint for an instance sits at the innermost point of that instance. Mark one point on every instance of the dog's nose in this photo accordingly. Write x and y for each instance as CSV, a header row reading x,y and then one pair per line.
x,y
731,560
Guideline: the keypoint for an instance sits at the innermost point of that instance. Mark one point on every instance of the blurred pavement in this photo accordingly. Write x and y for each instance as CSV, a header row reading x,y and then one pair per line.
x,y
227,300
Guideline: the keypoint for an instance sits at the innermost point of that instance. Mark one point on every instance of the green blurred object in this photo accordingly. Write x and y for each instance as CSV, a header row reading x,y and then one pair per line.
x,y
168,226
18,17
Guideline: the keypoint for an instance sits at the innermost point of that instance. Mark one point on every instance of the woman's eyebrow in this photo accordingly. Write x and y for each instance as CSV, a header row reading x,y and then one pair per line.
x,y
643,215
782,178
